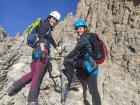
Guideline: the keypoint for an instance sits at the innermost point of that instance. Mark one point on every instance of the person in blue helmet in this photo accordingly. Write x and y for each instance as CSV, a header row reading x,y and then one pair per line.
x,y
80,58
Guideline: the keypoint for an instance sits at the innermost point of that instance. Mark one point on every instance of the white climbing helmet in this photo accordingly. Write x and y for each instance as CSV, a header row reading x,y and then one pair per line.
x,y
55,14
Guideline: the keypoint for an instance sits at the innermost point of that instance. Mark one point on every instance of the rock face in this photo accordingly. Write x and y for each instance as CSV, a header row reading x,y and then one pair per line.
x,y
117,22
2,33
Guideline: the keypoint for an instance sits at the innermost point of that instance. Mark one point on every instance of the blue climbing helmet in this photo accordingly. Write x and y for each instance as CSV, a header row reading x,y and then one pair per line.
x,y
80,23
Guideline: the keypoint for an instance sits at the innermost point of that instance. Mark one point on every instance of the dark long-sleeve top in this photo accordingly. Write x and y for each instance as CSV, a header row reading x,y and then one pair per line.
x,y
45,35
82,47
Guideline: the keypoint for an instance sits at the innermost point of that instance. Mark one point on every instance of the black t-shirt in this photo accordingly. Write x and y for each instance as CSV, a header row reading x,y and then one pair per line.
x,y
44,33
82,47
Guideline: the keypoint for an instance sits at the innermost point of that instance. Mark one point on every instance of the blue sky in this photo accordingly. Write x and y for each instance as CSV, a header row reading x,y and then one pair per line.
x,y
16,15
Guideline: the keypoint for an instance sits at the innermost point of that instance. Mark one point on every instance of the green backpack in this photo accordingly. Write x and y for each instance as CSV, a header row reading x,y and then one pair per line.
x,y
33,26
31,31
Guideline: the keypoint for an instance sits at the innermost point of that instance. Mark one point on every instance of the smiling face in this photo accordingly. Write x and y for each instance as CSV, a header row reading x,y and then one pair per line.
x,y
80,30
53,21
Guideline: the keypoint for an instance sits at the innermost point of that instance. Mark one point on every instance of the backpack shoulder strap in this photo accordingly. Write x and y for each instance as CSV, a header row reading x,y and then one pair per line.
x,y
93,35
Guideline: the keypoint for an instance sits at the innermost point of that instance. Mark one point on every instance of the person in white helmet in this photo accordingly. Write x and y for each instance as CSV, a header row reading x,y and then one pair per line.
x,y
40,62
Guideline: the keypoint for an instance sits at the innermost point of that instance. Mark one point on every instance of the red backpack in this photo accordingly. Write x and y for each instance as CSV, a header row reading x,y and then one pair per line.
x,y
98,48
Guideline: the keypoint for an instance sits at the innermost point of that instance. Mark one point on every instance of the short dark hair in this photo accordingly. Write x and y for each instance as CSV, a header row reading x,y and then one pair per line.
x,y
49,17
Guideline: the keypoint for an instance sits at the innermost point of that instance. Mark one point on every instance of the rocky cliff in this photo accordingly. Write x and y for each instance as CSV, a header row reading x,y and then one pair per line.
x,y
117,22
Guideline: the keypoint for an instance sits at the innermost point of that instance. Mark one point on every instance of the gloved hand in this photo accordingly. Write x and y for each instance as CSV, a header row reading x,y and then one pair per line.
x,y
58,49
43,55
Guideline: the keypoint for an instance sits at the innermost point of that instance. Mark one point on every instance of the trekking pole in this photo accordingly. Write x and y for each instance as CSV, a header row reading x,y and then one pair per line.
x,y
64,94
64,89
61,80
61,77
